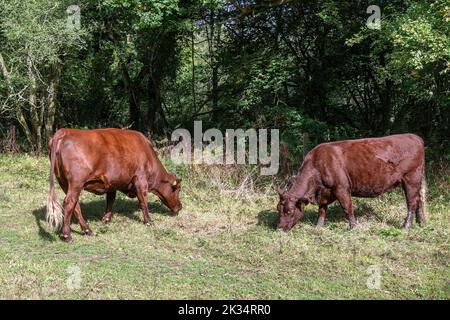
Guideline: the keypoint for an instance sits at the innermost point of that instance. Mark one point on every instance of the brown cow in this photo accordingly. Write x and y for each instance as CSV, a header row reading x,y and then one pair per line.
x,y
104,161
362,168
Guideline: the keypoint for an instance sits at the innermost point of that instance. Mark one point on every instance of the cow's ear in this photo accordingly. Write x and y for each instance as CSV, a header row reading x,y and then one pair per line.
x,y
176,183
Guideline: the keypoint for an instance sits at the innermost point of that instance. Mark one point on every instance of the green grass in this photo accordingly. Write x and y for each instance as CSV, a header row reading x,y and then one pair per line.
x,y
223,245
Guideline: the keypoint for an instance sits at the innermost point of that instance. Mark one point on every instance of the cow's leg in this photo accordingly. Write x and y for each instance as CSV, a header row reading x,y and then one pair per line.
x,y
420,211
420,214
142,189
83,224
345,199
70,202
321,216
412,201
110,198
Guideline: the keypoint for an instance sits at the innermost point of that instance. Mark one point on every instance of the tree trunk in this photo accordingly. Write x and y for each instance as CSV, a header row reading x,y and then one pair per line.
x,y
154,103
36,125
386,106
52,92
18,110
134,103
194,103
214,41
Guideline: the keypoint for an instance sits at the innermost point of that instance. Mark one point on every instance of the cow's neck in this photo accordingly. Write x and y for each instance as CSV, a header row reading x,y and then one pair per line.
x,y
303,186
163,177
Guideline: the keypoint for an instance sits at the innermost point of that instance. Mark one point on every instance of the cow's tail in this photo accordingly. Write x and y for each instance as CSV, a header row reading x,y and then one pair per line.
x,y
54,209
423,210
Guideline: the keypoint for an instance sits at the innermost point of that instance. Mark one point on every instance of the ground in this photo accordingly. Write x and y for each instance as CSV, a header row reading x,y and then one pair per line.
x,y
223,245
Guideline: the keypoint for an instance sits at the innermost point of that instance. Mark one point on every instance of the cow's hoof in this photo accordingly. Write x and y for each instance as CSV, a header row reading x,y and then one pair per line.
x,y
67,238
149,223
88,233
421,220
106,220
320,224
406,227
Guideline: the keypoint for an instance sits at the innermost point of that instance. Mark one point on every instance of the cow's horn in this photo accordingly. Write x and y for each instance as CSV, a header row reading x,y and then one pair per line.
x,y
279,191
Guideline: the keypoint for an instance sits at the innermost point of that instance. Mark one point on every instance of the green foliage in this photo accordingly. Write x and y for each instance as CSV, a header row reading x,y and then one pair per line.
x,y
390,232
37,28
418,45
305,67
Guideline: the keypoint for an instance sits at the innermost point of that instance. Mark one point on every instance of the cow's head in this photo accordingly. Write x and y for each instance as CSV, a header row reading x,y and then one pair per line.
x,y
169,192
290,208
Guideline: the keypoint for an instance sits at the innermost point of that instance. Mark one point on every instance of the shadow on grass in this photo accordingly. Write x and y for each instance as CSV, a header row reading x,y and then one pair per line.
x,y
268,219
335,213
94,210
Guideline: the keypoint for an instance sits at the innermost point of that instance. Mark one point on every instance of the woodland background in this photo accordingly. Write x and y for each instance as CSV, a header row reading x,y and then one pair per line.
x,y
310,68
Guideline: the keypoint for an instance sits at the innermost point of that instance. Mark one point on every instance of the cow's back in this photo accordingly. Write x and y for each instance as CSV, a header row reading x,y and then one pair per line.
x,y
369,166
116,154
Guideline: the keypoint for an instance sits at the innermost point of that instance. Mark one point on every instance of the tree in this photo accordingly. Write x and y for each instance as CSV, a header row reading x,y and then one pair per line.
x,y
144,37
35,44
310,68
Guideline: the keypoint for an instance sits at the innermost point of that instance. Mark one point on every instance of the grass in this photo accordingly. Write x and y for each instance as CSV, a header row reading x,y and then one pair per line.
x,y
223,245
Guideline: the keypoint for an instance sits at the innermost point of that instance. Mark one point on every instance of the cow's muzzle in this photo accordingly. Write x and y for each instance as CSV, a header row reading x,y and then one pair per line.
x,y
285,227
176,211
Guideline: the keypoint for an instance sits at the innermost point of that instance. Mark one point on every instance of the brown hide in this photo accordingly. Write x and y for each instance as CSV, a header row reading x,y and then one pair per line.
x,y
104,161
362,168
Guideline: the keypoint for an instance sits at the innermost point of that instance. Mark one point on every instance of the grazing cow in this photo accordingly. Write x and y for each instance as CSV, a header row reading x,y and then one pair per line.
x,y
104,161
362,168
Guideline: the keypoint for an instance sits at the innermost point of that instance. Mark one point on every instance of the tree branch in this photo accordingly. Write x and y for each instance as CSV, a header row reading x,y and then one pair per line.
x,y
16,103
259,5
